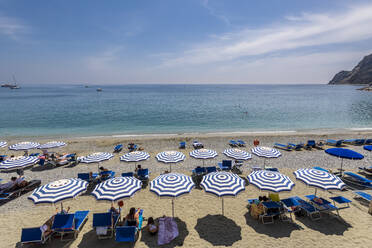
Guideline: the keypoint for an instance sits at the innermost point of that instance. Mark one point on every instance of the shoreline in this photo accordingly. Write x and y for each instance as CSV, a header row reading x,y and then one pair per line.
x,y
300,132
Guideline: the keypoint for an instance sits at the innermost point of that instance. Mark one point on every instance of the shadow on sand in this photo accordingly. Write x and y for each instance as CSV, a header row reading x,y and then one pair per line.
x,y
279,229
328,225
152,240
218,230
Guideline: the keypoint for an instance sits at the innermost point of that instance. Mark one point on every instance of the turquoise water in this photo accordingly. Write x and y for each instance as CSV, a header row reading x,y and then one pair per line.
x,y
68,110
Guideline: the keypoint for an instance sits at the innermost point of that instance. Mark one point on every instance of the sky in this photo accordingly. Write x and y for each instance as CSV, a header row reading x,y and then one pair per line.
x,y
174,41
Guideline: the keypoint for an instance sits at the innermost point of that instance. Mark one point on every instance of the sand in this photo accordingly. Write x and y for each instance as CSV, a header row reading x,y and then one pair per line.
x,y
199,214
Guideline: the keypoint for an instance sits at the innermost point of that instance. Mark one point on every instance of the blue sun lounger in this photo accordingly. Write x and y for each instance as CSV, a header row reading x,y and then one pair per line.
x,y
310,210
283,147
225,165
332,142
199,171
129,233
69,223
87,177
211,169
104,224
241,143
118,148
296,147
127,174
34,235
320,168
357,179
182,145
363,195
233,143
368,142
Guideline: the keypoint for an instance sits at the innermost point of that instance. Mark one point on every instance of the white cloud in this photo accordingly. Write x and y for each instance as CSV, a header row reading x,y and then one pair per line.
x,y
11,27
305,30
213,12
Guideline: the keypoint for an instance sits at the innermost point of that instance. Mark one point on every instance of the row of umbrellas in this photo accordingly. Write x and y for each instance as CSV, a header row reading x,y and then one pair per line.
x,y
173,185
33,145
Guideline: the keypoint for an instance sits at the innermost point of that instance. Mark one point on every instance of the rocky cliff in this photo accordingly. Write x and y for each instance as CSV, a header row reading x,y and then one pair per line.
x,y
361,74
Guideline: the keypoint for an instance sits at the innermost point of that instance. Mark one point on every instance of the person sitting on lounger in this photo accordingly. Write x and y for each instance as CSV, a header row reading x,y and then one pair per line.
x,y
46,228
13,184
132,218
151,226
63,211
102,173
139,167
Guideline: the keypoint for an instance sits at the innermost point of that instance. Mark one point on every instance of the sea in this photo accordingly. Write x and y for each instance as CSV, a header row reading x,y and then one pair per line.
x,y
76,110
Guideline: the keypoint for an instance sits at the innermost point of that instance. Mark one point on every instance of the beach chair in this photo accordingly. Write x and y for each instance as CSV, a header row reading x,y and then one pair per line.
x,y
271,209
283,147
363,195
127,174
332,142
241,143
310,210
199,171
297,147
233,143
291,205
368,142
7,196
34,235
118,148
350,177
270,168
226,165
320,145
211,169
182,145
197,145
310,144
323,205
104,224
86,177
256,168
320,168
69,223
366,170
143,175
129,233
344,202
104,175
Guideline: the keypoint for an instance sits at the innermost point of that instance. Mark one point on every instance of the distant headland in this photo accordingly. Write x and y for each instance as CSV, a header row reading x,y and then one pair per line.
x,y
361,74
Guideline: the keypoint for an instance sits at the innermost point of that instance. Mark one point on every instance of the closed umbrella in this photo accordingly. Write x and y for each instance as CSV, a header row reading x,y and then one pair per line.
x,y
171,185
222,184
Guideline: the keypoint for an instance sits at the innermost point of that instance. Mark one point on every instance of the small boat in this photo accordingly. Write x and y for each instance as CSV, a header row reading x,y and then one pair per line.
x,y
86,86
13,86
99,89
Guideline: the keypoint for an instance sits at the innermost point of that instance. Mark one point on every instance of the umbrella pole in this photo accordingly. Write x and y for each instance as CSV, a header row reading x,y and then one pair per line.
x,y
222,208
342,160
61,207
170,168
172,207
315,191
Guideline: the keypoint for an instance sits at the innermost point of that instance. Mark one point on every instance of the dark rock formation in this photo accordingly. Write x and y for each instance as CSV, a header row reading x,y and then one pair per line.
x,y
361,74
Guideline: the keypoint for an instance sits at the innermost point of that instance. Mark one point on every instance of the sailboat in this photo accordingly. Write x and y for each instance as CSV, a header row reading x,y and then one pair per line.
x,y
13,86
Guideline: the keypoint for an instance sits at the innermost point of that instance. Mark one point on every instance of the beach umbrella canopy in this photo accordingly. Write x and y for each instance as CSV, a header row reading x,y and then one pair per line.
x,y
170,157
222,184
58,191
24,146
52,144
319,179
266,152
97,157
3,143
344,153
135,156
368,148
270,181
203,154
117,188
18,162
237,154
171,185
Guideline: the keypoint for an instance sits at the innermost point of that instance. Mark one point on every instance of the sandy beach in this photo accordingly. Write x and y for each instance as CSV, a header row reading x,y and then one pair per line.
x,y
198,214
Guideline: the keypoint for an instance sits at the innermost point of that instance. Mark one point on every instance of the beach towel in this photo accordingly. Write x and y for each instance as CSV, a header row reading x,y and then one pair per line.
x,y
168,230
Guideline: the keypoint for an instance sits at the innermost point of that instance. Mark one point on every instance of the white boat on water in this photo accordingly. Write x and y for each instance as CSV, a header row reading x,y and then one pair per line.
x,y
99,89
12,86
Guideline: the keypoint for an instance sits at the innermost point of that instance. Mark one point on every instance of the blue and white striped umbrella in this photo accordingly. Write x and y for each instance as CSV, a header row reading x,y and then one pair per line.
x,y
117,188
203,153
135,156
170,157
222,184
58,191
18,162
52,144
266,152
237,154
97,157
270,181
171,185
319,179
3,143
24,146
